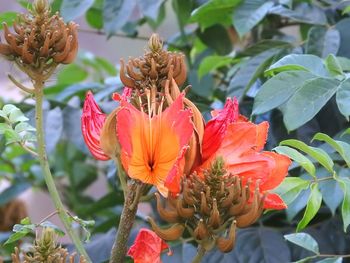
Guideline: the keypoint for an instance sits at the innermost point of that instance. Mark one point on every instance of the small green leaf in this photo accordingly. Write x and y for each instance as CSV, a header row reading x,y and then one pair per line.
x,y
318,154
304,240
71,74
23,126
290,188
343,98
4,127
345,210
16,236
8,108
212,62
312,207
107,66
8,18
297,157
12,137
333,65
25,221
342,148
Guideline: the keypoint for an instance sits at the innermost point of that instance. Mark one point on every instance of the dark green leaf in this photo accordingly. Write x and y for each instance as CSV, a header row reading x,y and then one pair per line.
x,y
278,90
70,74
343,98
308,101
290,188
8,18
322,42
71,9
249,13
217,38
297,157
262,46
304,240
183,10
115,14
312,207
94,17
316,153
310,63
343,27
212,62
214,12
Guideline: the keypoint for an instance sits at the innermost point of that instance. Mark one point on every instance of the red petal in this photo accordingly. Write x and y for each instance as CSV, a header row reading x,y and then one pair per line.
x,y
215,129
173,179
92,121
274,201
124,97
147,247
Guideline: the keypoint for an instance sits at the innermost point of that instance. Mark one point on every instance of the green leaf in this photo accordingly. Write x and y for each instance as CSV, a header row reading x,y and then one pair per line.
x,y
94,17
17,116
150,8
217,38
4,127
344,63
305,13
322,42
312,207
16,236
12,137
290,188
333,65
8,108
48,224
212,62
318,154
23,126
71,9
106,66
343,98
297,157
310,63
183,10
214,12
345,210
308,101
342,148
278,90
70,74
249,13
116,14
262,46
13,191
25,221
304,240
8,18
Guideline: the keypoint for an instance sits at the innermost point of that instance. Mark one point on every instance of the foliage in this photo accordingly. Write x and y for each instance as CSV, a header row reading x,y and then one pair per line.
x,y
297,81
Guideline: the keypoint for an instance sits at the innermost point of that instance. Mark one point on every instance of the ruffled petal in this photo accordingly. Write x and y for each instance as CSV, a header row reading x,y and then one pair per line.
x,y
92,121
147,247
274,201
215,129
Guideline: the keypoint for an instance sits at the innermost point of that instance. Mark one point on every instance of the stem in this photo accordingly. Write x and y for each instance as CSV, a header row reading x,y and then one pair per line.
x,y
126,221
200,253
39,92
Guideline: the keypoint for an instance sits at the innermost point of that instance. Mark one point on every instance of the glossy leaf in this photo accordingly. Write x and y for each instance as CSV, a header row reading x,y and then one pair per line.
x,y
345,210
343,98
304,240
116,13
298,157
71,9
308,101
249,13
278,90
312,207
310,63
316,153
290,188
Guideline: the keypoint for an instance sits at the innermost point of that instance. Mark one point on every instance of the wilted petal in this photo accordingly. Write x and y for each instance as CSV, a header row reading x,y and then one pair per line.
x,y
92,121
151,146
215,129
147,247
124,97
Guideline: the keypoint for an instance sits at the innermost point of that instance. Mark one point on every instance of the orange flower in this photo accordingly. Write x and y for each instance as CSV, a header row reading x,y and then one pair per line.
x,y
153,145
147,247
240,143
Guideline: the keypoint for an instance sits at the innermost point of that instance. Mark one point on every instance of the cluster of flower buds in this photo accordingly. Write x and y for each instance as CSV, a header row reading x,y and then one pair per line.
x,y
46,250
40,40
209,207
154,68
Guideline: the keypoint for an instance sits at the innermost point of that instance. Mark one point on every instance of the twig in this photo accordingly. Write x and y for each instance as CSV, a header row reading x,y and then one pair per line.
x,y
19,85
28,149
47,217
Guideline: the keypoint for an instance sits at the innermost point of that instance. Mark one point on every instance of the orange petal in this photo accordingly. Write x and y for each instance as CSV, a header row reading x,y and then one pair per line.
x,y
151,147
92,121
274,201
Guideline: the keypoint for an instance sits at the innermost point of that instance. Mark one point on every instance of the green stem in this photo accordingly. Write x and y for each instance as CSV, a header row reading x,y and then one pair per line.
x,y
200,254
39,94
127,219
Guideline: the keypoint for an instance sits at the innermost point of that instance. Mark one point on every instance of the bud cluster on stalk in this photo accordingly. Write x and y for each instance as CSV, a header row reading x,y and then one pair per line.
x,y
40,41
45,250
210,208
